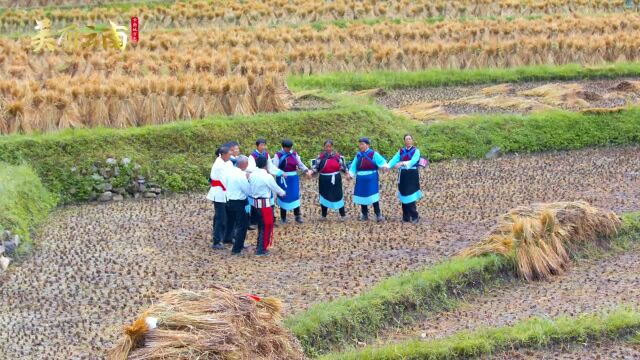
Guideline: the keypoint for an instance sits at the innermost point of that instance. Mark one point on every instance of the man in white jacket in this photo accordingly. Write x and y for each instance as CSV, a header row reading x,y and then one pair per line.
x,y
262,188
217,194
238,190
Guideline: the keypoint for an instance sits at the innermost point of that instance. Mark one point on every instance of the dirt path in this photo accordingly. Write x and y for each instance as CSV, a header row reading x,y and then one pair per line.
x,y
97,266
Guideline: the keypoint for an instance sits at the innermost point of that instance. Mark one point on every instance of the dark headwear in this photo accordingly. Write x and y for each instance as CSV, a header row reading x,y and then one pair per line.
x,y
286,143
328,141
365,140
261,162
222,150
260,141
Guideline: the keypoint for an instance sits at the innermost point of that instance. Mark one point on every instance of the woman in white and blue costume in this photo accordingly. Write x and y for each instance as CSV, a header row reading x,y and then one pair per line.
x,y
364,168
406,161
288,162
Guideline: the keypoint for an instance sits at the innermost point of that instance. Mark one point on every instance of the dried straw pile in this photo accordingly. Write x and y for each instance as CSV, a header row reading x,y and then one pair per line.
x,y
542,237
208,324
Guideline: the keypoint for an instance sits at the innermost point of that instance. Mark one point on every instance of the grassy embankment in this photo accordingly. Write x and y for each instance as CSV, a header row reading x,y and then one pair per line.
x,y
400,299
185,149
437,77
620,324
24,202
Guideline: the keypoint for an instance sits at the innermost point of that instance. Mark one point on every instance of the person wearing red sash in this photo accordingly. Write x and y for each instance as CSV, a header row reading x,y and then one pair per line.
x,y
329,165
262,187
260,150
217,194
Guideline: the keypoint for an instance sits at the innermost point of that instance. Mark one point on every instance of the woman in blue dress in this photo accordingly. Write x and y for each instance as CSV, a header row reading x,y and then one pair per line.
x,y
289,162
364,168
406,161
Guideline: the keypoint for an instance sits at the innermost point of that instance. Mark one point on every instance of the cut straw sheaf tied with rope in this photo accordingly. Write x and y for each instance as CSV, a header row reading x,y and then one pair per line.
x,y
212,324
85,102
542,237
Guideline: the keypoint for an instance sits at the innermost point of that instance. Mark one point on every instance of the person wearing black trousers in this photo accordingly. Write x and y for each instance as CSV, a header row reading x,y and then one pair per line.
x,y
406,162
218,195
237,191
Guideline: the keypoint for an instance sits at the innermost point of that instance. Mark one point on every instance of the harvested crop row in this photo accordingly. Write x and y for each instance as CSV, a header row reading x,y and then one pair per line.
x,y
449,102
97,267
251,13
592,285
405,46
78,102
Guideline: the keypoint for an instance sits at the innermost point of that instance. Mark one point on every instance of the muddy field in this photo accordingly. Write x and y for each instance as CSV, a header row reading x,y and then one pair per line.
x,y
593,285
591,351
96,267
447,102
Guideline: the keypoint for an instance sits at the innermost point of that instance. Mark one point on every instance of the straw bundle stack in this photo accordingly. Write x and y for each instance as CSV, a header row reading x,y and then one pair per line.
x,y
542,237
208,324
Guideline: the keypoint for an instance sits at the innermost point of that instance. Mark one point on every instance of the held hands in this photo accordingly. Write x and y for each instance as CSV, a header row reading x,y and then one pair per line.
x,y
398,166
309,173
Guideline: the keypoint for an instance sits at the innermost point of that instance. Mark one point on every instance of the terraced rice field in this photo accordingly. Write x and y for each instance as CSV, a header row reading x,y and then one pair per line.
x,y
590,351
450,102
97,266
593,286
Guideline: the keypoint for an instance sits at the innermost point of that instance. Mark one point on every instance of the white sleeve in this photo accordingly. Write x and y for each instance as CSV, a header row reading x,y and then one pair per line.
x,y
251,165
244,185
212,170
272,167
301,165
273,186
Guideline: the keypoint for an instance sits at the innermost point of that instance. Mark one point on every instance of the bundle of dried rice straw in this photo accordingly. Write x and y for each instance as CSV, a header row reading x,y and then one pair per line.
x,y
209,324
541,237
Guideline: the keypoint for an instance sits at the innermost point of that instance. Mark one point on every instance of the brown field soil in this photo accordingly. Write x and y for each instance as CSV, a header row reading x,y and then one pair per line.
x,y
96,267
590,351
454,101
593,285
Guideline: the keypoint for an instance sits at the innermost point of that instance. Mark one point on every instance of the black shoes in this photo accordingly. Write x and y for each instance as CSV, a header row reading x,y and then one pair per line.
x,y
299,219
217,247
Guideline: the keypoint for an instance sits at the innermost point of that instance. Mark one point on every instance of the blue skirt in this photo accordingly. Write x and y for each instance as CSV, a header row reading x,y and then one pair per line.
x,y
290,184
367,188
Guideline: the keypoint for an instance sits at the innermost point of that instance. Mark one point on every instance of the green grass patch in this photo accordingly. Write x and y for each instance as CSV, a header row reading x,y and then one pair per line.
x,y
24,202
555,130
436,77
398,300
394,301
535,332
179,155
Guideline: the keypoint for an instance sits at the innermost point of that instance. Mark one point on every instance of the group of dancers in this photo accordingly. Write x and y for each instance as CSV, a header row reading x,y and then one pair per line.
x,y
244,191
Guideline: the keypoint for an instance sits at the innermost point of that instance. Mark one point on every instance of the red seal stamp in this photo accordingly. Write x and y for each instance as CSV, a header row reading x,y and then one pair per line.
x,y
134,29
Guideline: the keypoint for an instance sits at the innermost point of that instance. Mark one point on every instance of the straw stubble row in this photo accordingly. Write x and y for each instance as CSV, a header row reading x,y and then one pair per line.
x,y
267,12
